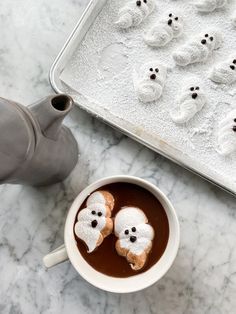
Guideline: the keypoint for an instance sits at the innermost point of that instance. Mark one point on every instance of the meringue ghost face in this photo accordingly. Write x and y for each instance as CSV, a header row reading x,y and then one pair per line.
x,y
224,72
193,93
227,134
199,49
176,24
94,222
154,72
161,33
136,239
211,40
150,81
191,101
135,236
134,12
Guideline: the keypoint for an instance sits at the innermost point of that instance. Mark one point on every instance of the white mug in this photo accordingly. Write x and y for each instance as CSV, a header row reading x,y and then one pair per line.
x,y
119,285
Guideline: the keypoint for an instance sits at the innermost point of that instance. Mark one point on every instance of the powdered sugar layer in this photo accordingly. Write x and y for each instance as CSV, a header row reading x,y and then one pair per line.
x,y
101,72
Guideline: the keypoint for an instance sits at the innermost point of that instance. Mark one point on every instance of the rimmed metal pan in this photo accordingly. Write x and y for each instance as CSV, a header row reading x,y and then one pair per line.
x,y
157,144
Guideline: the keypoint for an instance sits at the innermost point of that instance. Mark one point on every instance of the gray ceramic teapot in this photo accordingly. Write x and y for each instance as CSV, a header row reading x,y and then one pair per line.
x,y
35,148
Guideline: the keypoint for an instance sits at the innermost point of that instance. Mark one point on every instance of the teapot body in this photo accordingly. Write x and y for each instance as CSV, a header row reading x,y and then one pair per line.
x,y
35,147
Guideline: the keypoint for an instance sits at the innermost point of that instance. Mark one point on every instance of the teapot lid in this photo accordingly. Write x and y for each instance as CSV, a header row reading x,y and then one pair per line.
x,y
16,137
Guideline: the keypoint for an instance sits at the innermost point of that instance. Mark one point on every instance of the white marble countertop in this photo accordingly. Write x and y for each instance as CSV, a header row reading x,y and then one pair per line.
x,y
203,277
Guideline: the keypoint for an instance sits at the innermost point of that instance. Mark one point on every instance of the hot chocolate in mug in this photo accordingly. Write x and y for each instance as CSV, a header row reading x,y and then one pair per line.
x,y
133,283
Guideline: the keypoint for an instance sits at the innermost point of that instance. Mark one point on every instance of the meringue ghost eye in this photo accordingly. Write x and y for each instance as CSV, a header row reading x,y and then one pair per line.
x,y
235,120
197,88
192,89
176,18
145,1
133,229
234,128
170,15
126,231
151,69
234,61
138,3
206,35
156,70
93,212
232,67
211,38
99,214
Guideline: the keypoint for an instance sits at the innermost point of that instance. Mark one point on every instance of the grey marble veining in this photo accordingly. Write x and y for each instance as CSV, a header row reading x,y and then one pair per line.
x,y
203,277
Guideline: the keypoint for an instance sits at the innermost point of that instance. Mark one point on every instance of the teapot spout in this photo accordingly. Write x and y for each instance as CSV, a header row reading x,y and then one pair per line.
x,y
50,113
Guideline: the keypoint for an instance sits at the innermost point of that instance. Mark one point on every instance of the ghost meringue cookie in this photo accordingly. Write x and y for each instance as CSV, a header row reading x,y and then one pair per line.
x,y
224,72
226,139
134,12
149,81
94,222
135,236
162,32
199,49
209,5
191,100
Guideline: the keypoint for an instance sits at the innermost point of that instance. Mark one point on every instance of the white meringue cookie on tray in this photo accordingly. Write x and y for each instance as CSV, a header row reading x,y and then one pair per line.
x,y
134,12
163,31
149,81
191,100
198,49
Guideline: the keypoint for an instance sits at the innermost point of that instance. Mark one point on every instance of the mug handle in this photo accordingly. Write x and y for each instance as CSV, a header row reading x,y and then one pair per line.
x,y
57,256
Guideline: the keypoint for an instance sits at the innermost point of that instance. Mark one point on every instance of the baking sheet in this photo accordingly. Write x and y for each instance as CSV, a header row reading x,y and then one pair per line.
x,y
107,58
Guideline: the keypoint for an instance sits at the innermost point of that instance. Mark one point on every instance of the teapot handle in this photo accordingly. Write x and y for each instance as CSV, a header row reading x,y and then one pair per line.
x,y
57,256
